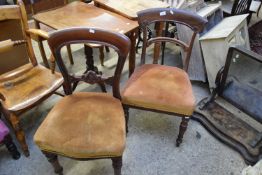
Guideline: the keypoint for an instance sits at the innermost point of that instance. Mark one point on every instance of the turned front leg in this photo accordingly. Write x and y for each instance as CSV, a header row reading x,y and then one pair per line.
x,y
117,165
182,130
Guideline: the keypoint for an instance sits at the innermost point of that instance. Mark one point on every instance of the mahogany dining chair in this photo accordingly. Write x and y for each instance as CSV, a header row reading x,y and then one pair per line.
x,y
86,125
161,88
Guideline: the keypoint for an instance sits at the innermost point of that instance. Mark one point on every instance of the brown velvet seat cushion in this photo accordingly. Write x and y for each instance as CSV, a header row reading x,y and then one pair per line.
x,y
22,91
84,125
161,88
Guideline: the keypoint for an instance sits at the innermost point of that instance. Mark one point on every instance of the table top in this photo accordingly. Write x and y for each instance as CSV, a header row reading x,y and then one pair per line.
x,y
129,8
79,14
225,27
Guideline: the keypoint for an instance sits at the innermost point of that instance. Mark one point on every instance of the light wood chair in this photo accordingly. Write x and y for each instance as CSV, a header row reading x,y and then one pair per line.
x,y
23,85
160,88
86,125
45,5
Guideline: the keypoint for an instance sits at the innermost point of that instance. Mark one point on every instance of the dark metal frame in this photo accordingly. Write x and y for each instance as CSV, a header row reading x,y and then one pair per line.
x,y
203,114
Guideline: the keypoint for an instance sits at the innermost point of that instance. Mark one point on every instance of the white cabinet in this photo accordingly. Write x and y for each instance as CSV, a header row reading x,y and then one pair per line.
x,y
215,43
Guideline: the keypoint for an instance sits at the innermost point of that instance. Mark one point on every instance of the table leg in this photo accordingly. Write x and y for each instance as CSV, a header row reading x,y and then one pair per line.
x,y
90,64
132,54
158,27
41,47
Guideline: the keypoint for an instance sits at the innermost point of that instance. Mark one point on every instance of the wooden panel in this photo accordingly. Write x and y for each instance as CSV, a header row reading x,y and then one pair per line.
x,y
43,5
9,12
18,55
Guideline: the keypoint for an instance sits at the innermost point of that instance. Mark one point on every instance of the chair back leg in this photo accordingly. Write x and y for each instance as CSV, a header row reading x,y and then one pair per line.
x,y
52,158
70,56
126,111
101,55
117,165
20,135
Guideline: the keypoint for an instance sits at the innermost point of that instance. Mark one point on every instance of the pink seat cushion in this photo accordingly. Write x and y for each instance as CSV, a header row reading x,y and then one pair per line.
x,y
3,131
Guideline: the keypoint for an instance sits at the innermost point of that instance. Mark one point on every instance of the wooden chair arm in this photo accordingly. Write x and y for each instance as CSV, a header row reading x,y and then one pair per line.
x,y
35,34
9,44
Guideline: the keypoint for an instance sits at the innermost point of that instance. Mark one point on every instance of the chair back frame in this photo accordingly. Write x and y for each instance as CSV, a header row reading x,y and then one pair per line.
x,y
18,12
241,7
149,16
119,42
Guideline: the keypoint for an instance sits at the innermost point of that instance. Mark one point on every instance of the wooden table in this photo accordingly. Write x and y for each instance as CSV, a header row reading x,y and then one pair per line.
x,y
79,14
129,9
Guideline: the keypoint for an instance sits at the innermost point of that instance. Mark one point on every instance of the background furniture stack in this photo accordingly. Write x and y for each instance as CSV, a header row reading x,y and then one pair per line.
x,y
230,31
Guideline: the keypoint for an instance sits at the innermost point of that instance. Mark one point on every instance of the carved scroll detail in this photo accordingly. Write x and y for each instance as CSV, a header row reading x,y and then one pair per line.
x,y
92,77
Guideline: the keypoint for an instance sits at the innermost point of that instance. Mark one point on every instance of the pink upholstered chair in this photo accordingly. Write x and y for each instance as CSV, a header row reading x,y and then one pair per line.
x,y
6,139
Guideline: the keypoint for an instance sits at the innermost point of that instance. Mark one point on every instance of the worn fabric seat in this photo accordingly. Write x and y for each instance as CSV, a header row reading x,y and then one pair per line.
x,y
161,88
84,125
25,90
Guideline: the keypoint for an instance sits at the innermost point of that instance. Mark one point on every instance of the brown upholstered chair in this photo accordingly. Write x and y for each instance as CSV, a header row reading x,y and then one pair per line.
x,y
23,85
86,125
162,88
38,6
